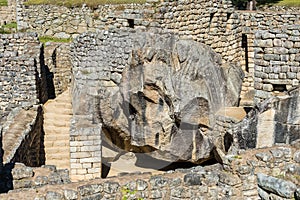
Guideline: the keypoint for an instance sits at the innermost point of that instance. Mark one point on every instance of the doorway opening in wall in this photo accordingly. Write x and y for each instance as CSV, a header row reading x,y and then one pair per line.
x,y
245,47
130,23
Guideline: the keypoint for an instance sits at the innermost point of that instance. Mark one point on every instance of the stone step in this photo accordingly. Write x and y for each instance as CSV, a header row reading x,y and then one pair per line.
x,y
54,150
57,144
53,116
54,137
57,156
56,105
57,109
57,116
55,130
57,123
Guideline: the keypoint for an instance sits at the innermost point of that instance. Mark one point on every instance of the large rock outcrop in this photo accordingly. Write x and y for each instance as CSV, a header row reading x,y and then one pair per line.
x,y
164,102
275,120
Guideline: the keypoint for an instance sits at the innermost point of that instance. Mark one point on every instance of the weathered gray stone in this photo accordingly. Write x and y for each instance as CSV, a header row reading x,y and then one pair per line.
x,y
297,194
41,180
54,196
70,194
262,194
229,179
281,187
158,182
297,156
21,171
163,97
141,185
192,179
266,157
111,187
86,190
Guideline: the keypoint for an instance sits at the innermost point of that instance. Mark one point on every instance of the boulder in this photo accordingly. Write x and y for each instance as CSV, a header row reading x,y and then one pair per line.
x,y
164,103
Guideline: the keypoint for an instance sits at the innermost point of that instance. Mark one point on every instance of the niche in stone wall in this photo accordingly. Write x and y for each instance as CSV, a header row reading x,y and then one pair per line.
x,y
130,23
228,16
279,88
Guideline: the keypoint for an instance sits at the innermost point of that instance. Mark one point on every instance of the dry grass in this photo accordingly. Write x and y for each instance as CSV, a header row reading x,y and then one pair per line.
x,y
289,3
76,3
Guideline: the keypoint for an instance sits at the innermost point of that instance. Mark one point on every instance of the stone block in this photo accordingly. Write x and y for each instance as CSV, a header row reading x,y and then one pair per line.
x,y
50,195
111,187
288,44
70,194
277,42
86,190
192,179
268,87
229,179
158,182
269,57
20,171
277,186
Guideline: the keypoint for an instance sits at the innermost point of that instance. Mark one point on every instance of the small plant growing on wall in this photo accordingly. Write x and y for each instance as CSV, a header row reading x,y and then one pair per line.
x,y
129,194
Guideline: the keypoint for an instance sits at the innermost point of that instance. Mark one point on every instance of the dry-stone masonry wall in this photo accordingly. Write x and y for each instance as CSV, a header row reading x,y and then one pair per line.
x,y
8,13
30,144
66,22
257,174
277,58
58,63
250,22
98,61
20,73
215,23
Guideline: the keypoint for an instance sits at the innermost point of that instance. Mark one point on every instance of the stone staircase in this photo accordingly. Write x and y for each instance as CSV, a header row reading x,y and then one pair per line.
x,y
57,116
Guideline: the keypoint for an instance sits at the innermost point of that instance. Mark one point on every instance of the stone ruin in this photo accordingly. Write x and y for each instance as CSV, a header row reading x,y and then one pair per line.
x,y
193,84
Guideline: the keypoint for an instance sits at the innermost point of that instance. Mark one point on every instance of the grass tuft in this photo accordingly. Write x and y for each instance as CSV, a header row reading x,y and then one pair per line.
x,y
8,28
44,39
3,2
77,3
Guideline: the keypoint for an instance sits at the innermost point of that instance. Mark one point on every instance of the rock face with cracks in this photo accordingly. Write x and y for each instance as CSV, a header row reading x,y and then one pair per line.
x,y
165,100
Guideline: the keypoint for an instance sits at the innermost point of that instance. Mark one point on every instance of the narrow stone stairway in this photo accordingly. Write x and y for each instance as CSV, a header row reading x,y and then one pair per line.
x,y
57,116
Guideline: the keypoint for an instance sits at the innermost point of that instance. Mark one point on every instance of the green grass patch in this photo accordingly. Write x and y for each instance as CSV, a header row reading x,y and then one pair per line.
x,y
12,25
76,3
289,3
45,39
8,28
3,2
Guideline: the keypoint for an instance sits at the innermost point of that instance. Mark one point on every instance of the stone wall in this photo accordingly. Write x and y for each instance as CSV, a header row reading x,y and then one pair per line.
x,y
277,58
30,149
251,22
278,167
214,23
98,61
58,64
20,72
66,22
8,13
